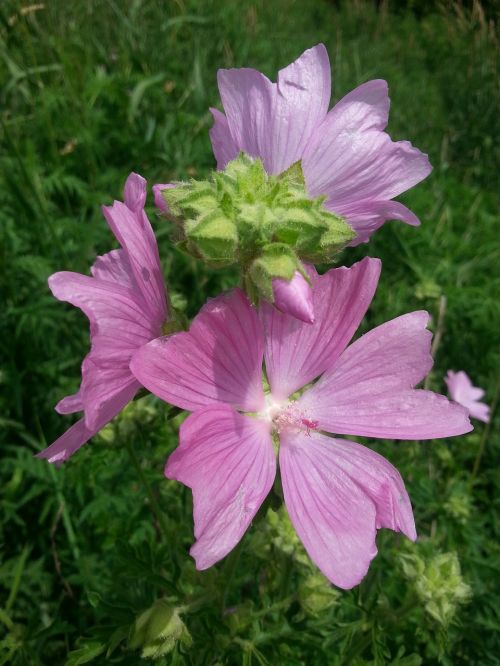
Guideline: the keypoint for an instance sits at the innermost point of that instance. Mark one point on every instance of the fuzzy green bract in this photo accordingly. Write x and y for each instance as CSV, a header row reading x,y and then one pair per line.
x,y
267,224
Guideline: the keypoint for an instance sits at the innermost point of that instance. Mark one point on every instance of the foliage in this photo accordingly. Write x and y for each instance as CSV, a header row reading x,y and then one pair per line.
x,y
92,90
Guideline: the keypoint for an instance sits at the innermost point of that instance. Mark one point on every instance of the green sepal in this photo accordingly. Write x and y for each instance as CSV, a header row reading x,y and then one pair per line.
x,y
276,261
237,214
294,175
215,237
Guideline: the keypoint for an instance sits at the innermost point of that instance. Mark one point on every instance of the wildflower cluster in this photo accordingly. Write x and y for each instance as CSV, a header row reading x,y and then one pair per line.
x,y
267,370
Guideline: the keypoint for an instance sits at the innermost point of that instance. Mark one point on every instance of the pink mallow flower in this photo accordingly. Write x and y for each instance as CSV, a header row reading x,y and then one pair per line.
x,y
125,301
337,492
345,153
462,390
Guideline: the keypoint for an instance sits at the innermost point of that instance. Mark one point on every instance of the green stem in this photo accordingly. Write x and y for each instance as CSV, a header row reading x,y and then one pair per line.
x,y
17,578
155,507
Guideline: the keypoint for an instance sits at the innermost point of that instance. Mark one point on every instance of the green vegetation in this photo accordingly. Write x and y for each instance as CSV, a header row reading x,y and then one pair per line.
x,y
93,89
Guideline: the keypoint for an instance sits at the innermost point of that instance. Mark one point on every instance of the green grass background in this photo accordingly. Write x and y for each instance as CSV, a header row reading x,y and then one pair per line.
x,y
93,89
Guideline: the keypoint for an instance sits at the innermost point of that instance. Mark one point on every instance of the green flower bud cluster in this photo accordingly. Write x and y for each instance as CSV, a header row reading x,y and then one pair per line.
x,y
267,224
459,502
317,594
438,583
158,629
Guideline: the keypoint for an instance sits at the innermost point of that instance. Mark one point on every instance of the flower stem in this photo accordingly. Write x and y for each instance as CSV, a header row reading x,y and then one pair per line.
x,y
155,507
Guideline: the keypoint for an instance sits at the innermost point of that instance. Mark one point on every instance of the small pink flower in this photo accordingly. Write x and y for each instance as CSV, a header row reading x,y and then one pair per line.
x,y
462,390
338,493
125,302
346,154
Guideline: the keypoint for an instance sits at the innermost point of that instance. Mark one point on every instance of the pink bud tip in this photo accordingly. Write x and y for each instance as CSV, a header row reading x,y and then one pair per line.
x,y
294,297
157,193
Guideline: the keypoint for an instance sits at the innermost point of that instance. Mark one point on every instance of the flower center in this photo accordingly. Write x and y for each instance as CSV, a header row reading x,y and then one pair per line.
x,y
287,415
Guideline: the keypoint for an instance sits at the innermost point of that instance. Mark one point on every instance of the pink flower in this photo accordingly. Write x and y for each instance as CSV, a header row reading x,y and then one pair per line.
x,y
338,493
345,153
125,302
461,390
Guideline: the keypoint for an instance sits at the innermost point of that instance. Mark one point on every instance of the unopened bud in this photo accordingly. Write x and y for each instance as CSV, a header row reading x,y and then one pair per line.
x,y
158,629
317,594
269,225
294,297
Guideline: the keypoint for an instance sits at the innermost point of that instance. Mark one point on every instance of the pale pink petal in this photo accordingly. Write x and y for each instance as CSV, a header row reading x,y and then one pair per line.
x,y
70,404
380,480
79,433
223,145
296,352
118,326
64,447
466,394
228,461
114,267
135,192
219,360
294,297
365,217
135,235
157,193
368,390
118,323
349,157
101,384
333,516
274,121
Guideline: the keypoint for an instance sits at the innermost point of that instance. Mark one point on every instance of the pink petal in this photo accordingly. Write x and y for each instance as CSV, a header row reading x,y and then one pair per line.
x,y
368,391
101,387
294,297
135,235
365,217
349,157
466,394
295,352
274,121
228,461
334,517
79,433
64,447
118,326
219,360
223,145
157,193
380,480
118,322
135,192
70,404
114,267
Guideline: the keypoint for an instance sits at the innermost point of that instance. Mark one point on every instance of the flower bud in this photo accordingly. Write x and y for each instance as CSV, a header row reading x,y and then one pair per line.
x,y
294,297
158,629
317,594
268,225
438,583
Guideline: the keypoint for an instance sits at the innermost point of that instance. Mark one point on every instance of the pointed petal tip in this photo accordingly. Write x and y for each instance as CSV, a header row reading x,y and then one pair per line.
x,y
134,191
